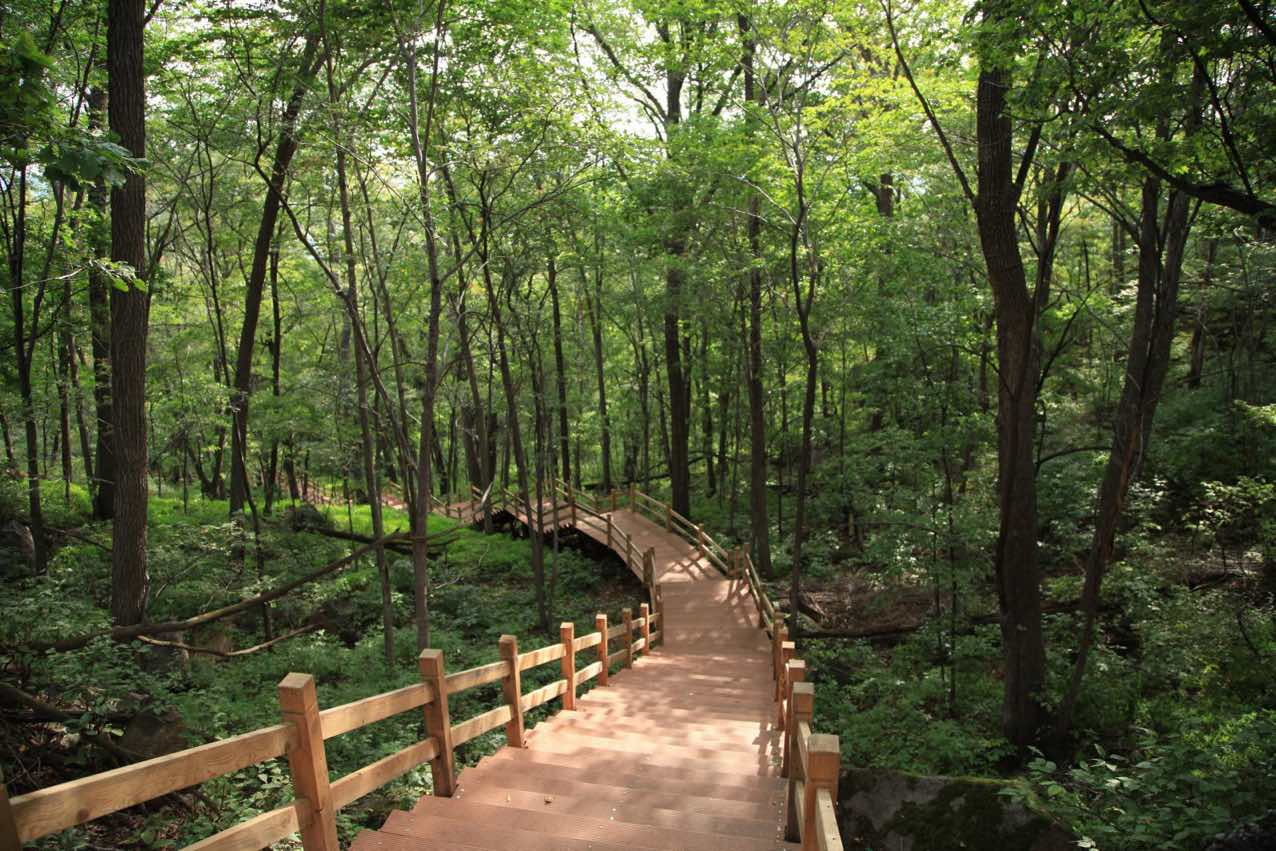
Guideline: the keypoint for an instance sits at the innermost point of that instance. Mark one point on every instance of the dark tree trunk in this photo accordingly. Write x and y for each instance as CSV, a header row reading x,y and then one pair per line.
x,y
595,308
675,278
758,523
1019,365
254,286
100,339
126,109
560,370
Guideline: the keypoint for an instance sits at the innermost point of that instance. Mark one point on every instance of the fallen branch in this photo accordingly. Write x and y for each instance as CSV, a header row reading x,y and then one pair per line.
x,y
228,654
129,633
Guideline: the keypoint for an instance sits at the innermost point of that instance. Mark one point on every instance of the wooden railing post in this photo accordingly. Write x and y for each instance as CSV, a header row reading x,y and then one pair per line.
x,y
308,764
779,633
795,675
629,549
631,496
628,617
438,722
803,708
600,626
644,612
567,633
8,821
571,501
649,567
787,649
512,685
612,496
824,762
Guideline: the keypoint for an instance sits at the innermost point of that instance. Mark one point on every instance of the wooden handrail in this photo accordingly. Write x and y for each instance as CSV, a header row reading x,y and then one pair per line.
x,y
302,735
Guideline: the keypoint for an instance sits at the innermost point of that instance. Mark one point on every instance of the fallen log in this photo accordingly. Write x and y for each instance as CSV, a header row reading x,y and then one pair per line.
x,y
129,633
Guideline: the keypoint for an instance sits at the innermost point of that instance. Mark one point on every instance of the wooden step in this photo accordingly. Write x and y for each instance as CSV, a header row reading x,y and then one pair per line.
x,y
483,821
592,764
633,811
639,746
703,735
559,780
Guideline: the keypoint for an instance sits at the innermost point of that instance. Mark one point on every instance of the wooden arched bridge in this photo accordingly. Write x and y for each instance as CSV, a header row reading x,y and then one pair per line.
x,y
695,732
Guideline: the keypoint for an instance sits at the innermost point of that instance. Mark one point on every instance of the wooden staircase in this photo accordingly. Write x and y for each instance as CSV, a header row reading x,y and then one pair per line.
x,y
682,752
702,742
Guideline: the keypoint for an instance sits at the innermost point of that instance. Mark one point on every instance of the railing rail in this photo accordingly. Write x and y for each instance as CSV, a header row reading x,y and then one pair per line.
x,y
305,728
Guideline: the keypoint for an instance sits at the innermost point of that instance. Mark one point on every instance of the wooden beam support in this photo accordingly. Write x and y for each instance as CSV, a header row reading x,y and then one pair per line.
x,y
644,612
787,649
628,617
8,821
778,636
567,633
600,626
796,676
513,688
438,723
803,708
308,764
824,757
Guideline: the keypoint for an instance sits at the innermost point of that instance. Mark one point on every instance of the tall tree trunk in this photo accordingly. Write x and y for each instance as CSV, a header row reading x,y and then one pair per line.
x,y
1019,361
1161,249
594,306
365,425
100,339
254,286
675,278
271,486
759,526
420,140
126,108
560,369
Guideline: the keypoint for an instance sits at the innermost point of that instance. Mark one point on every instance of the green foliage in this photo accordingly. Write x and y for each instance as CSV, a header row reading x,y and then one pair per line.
x,y
1170,791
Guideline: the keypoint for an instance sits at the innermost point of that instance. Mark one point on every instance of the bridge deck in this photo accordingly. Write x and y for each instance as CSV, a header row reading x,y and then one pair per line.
x,y
681,752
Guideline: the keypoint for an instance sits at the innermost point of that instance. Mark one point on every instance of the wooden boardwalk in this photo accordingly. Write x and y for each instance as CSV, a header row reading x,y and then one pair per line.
x,y
682,752
701,738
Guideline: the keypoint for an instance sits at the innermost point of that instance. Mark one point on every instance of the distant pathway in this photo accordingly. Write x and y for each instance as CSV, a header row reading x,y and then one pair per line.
x,y
682,752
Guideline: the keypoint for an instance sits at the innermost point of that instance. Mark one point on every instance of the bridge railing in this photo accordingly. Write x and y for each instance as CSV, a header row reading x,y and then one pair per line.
x,y
304,728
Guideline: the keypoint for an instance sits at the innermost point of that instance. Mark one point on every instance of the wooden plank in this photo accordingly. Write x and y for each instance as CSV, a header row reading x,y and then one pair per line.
x,y
640,621
258,832
639,645
56,808
827,835
8,823
588,672
308,764
656,637
825,762
618,656
438,723
539,657
600,627
360,713
587,641
479,724
472,677
616,631
544,694
371,777
567,633
627,616
512,687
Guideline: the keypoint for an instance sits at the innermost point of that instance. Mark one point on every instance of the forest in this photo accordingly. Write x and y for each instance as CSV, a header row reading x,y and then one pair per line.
x,y
958,314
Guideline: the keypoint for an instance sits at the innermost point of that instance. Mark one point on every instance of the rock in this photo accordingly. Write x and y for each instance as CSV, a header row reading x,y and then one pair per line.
x,y
152,734
912,812
1259,835
163,660
306,516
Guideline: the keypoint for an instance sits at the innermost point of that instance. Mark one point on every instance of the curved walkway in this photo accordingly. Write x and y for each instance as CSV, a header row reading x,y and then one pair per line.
x,y
681,752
